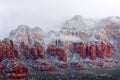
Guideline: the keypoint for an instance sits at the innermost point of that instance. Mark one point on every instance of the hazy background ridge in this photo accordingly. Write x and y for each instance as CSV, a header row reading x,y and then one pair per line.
x,y
49,14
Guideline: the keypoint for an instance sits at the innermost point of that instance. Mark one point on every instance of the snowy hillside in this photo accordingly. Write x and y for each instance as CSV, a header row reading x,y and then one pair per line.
x,y
79,23
93,29
24,32
82,44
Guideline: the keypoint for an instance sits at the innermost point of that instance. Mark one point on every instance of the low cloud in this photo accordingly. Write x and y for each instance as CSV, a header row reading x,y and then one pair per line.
x,y
49,14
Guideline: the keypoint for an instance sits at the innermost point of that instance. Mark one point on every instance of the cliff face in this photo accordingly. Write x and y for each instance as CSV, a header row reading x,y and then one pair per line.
x,y
81,43
87,29
111,32
77,29
78,26
26,34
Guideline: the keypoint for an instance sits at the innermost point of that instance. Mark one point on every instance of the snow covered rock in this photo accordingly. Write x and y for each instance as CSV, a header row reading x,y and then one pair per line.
x,y
26,34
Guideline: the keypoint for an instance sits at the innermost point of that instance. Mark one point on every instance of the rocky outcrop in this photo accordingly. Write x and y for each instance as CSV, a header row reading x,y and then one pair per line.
x,y
34,53
93,52
13,69
9,53
80,43
26,34
26,52
92,49
16,71
53,50
76,66
40,50
36,50
62,55
1,51
106,30
2,66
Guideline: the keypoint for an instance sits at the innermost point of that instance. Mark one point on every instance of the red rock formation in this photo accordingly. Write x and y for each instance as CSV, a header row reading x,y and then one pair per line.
x,y
83,50
99,51
62,55
39,49
71,48
77,47
12,54
51,68
15,51
9,53
22,44
58,42
88,53
27,51
80,48
93,51
18,55
1,52
17,72
42,54
2,68
5,41
34,53
11,42
52,50
110,49
104,48
21,69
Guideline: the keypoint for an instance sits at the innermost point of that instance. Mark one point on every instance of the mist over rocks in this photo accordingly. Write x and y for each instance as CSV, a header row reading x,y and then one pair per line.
x,y
76,29
81,43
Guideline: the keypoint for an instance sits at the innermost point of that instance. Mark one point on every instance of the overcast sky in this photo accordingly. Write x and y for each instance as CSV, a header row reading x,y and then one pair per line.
x,y
48,14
